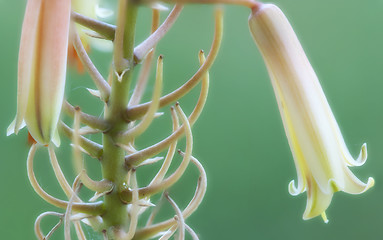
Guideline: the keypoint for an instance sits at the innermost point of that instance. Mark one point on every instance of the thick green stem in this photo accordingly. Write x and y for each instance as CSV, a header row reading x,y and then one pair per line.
x,y
113,156
114,171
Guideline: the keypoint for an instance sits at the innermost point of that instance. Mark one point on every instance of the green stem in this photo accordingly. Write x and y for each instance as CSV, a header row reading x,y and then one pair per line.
x,y
113,168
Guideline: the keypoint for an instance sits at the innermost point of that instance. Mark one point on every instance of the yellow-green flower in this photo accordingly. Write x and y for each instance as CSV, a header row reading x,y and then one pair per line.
x,y
91,9
321,157
42,68
86,8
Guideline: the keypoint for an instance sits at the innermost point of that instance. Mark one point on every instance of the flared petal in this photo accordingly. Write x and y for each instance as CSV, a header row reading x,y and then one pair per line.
x,y
354,186
348,158
295,190
317,201
299,159
360,160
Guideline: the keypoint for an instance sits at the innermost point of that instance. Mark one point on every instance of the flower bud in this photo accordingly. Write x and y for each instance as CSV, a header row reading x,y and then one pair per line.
x,y
42,68
320,153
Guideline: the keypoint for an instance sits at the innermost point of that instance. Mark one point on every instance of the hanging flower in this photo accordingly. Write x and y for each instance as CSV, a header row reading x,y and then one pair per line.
x,y
321,157
42,68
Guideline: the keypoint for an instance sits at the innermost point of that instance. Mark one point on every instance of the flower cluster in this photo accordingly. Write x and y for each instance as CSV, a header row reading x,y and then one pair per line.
x,y
55,30
47,33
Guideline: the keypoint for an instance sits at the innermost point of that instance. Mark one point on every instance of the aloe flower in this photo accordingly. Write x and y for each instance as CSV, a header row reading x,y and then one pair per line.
x,y
87,8
320,153
90,9
42,68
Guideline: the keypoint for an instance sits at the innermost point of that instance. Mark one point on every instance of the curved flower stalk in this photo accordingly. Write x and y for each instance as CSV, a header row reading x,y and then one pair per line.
x,y
39,233
122,198
321,157
42,68
318,147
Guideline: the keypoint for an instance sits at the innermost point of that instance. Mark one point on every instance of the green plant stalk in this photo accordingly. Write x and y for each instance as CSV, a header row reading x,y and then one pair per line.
x,y
113,168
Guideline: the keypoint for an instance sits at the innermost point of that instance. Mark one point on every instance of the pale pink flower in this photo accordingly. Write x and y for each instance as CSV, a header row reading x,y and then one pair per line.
x,y
42,68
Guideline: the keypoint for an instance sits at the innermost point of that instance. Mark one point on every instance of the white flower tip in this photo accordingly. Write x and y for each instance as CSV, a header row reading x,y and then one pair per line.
x,y
294,191
145,203
158,114
86,221
324,217
361,158
359,187
11,129
103,12
370,183
362,155
14,127
95,93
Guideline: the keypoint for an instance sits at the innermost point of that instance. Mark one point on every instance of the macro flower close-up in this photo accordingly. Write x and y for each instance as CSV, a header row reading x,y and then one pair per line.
x,y
320,153
191,119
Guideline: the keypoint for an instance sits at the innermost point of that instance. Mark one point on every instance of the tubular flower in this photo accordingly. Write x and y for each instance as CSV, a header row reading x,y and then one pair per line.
x,y
320,153
87,8
91,9
42,68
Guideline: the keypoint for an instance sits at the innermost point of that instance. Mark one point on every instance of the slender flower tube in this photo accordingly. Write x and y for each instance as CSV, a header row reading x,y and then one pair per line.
x,y
320,153
90,9
87,8
42,68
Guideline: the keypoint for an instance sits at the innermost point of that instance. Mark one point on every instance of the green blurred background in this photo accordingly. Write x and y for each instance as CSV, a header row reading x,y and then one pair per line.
x,y
239,138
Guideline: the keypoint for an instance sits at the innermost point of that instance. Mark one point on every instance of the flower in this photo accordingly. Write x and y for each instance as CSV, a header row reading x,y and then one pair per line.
x,y
320,153
90,9
42,68
87,8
